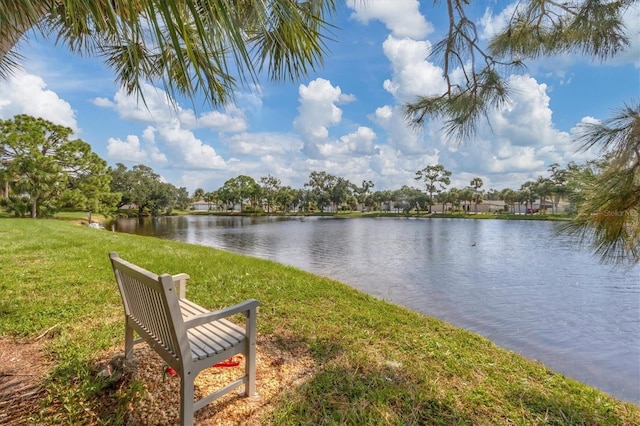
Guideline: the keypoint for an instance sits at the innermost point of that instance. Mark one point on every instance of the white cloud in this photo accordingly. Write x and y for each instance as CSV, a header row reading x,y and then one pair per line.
x,y
358,143
171,127
25,93
157,108
263,144
402,17
412,75
400,136
187,150
131,150
318,111
232,120
519,145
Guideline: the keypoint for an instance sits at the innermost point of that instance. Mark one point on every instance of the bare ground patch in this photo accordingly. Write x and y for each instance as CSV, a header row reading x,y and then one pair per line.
x,y
278,371
23,367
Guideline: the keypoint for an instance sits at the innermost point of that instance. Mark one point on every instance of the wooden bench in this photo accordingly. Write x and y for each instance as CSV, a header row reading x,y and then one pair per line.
x,y
188,337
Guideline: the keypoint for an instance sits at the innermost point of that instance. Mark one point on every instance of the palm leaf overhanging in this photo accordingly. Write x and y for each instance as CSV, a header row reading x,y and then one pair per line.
x,y
207,47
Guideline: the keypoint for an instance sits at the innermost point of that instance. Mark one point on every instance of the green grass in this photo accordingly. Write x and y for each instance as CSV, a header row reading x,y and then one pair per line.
x,y
377,363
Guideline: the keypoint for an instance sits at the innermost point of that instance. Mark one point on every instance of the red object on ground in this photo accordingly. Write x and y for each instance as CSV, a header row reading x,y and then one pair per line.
x,y
171,371
234,361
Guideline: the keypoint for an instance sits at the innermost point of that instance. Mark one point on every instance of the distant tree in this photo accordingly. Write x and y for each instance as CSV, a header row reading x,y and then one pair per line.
x,y
44,169
363,192
510,197
145,189
320,185
436,178
212,198
270,187
198,195
285,198
528,190
182,198
240,190
558,180
407,199
341,192
544,189
476,183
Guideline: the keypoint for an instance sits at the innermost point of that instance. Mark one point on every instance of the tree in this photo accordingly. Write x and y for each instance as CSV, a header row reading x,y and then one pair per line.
x,y
476,183
528,194
510,197
198,194
320,184
270,187
544,188
340,192
609,197
190,46
240,189
558,179
143,188
436,179
45,170
285,198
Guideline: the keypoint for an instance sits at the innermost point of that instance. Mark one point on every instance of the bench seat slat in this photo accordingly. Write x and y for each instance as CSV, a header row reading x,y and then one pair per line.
x,y
213,338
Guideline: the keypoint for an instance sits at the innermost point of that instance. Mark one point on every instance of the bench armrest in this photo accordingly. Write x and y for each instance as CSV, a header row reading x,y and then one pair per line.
x,y
247,308
180,281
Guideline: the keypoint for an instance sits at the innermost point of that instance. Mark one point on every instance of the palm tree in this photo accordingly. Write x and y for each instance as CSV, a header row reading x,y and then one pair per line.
x,y
544,188
476,183
203,46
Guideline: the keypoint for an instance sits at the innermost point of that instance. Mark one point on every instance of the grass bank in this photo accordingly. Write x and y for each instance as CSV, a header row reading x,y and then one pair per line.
x,y
377,363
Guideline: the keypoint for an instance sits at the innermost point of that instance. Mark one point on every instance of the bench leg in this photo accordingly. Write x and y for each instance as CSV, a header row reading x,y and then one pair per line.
x,y
250,363
186,399
128,342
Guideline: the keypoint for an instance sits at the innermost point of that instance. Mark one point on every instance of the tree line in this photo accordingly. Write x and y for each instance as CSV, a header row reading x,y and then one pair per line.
x,y
326,192
43,170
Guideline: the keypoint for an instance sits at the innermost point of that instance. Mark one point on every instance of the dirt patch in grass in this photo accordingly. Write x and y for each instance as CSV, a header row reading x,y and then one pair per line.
x,y
23,367
278,370
281,368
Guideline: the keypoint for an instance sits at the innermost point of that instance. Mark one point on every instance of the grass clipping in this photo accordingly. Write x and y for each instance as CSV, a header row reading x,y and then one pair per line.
x,y
277,371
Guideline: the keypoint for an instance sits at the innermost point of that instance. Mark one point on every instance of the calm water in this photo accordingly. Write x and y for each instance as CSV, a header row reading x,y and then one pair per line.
x,y
515,282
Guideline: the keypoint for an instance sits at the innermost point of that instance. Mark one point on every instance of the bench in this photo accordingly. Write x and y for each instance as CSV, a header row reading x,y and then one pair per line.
x,y
188,337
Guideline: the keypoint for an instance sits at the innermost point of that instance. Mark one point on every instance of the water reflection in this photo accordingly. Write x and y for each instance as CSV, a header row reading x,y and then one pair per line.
x,y
515,282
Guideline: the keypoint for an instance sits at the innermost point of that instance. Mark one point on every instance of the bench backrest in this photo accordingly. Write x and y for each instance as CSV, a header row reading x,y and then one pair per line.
x,y
152,308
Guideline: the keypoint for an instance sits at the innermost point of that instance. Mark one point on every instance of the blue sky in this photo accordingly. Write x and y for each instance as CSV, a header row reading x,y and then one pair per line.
x,y
343,119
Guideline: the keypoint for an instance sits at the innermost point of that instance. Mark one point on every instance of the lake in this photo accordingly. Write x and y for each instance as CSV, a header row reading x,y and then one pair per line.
x,y
518,283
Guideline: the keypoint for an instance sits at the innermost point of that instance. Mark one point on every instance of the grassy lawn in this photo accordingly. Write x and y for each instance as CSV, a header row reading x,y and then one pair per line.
x,y
377,363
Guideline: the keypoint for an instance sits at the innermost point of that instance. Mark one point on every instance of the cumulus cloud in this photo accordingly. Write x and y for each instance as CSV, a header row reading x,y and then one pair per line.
x,y
412,74
171,128
263,144
318,111
187,149
25,93
519,144
403,17
131,150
